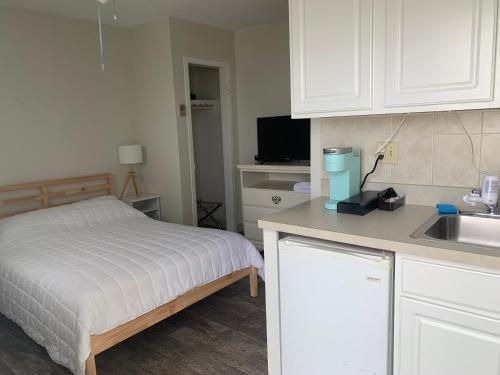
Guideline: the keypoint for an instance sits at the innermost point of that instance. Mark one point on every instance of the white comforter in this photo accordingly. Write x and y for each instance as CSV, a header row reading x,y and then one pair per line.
x,y
72,271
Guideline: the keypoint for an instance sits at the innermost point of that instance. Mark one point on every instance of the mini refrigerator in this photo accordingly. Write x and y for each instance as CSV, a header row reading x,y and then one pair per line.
x,y
335,308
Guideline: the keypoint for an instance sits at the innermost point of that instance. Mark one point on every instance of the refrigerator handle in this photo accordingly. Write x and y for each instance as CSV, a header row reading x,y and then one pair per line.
x,y
339,247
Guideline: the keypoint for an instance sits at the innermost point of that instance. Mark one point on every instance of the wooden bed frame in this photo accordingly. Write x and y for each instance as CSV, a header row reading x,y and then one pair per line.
x,y
51,193
45,194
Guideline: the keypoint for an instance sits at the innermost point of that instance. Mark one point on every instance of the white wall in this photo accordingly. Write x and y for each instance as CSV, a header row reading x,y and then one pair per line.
x,y
203,42
263,82
155,119
59,115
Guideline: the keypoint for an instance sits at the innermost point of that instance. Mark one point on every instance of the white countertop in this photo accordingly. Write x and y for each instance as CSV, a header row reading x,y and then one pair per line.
x,y
379,230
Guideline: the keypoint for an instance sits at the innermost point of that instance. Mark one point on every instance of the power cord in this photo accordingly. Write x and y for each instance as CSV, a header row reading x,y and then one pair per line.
x,y
394,133
379,157
475,162
398,128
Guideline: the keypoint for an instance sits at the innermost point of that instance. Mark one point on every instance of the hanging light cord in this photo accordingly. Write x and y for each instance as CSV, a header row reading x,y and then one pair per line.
x,y
101,44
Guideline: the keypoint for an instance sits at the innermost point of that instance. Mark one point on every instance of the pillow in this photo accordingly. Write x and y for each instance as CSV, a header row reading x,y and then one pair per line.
x,y
87,212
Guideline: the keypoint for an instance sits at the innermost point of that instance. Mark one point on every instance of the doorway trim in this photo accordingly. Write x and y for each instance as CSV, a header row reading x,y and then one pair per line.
x,y
227,137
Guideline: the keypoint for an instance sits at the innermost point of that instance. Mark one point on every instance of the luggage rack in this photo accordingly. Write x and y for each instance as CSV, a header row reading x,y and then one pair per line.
x,y
208,209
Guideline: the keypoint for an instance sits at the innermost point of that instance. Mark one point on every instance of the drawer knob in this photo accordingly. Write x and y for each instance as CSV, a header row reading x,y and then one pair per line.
x,y
276,199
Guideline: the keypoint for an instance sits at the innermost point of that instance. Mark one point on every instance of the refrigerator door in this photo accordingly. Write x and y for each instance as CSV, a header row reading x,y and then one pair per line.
x,y
335,309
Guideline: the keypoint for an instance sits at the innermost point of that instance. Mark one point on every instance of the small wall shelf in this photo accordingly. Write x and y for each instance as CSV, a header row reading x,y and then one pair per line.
x,y
202,104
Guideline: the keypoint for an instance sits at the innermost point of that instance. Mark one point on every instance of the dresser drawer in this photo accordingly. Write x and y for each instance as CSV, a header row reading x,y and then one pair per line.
x,y
251,214
451,283
277,199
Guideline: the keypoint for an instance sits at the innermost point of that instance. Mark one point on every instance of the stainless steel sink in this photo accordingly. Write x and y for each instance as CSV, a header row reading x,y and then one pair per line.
x,y
472,229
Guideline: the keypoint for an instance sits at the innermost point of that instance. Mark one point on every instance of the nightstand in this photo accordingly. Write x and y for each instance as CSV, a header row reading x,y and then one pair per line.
x,y
146,203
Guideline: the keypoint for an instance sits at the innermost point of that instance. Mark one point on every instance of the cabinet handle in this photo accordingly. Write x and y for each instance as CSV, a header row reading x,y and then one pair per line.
x,y
276,199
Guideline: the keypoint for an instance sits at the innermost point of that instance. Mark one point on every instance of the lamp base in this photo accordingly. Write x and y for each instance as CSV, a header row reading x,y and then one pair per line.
x,y
132,176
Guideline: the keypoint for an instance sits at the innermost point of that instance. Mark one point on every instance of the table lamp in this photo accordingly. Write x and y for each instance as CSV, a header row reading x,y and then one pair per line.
x,y
130,155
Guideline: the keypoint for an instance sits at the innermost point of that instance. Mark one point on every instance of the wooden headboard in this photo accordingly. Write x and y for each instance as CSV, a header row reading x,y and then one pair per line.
x,y
16,199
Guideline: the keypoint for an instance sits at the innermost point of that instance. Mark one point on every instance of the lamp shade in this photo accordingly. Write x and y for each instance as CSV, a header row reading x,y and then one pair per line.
x,y
130,154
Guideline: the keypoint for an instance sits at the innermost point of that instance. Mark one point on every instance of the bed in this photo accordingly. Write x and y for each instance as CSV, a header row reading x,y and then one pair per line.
x,y
81,277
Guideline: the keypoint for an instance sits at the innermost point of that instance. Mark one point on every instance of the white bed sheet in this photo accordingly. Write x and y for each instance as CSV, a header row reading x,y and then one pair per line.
x,y
72,271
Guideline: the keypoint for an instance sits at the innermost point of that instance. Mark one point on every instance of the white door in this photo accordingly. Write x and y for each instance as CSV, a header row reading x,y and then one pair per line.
x,y
335,309
440,51
331,54
435,340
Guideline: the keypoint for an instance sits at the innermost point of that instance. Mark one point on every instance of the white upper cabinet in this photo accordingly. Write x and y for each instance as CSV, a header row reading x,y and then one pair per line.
x,y
355,57
439,51
331,53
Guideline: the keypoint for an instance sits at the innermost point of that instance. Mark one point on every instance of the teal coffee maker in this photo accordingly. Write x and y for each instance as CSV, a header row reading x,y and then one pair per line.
x,y
343,166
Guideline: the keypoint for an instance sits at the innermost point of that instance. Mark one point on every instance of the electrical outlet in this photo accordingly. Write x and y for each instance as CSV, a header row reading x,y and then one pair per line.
x,y
390,152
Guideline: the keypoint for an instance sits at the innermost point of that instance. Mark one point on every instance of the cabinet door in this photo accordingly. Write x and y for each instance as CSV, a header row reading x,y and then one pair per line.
x,y
331,54
434,340
439,52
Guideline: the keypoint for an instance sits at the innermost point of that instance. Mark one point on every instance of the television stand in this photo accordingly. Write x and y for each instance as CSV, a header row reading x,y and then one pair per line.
x,y
303,163
267,189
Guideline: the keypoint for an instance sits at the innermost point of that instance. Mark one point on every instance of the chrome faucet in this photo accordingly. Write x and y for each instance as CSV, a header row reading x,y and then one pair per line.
x,y
492,209
486,214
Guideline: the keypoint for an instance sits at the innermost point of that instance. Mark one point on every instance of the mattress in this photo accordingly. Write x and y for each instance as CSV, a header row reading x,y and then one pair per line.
x,y
73,271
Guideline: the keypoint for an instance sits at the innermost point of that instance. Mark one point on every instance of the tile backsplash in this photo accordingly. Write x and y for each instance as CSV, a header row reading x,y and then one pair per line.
x,y
436,162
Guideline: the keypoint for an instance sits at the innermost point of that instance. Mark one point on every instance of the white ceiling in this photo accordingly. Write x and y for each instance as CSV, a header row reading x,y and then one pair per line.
x,y
229,14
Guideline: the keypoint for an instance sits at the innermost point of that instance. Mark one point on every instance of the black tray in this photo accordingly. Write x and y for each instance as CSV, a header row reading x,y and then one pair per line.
x,y
386,194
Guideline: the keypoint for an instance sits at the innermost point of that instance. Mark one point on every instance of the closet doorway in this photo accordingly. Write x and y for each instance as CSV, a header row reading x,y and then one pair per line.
x,y
210,139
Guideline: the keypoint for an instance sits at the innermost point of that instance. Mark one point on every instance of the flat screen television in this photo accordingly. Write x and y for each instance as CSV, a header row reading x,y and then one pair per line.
x,y
283,139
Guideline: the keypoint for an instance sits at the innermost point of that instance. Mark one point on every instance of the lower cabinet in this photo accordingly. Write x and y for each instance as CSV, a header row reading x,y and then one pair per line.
x,y
435,340
434,336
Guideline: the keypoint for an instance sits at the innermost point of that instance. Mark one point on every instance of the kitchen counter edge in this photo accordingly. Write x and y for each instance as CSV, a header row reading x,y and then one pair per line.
x,y
310,219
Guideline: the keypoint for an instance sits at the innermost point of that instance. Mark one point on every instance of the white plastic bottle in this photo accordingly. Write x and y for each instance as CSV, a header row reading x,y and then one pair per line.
x,y
490,190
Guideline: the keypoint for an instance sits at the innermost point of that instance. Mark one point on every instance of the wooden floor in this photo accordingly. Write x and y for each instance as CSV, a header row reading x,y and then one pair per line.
x,y
223,334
